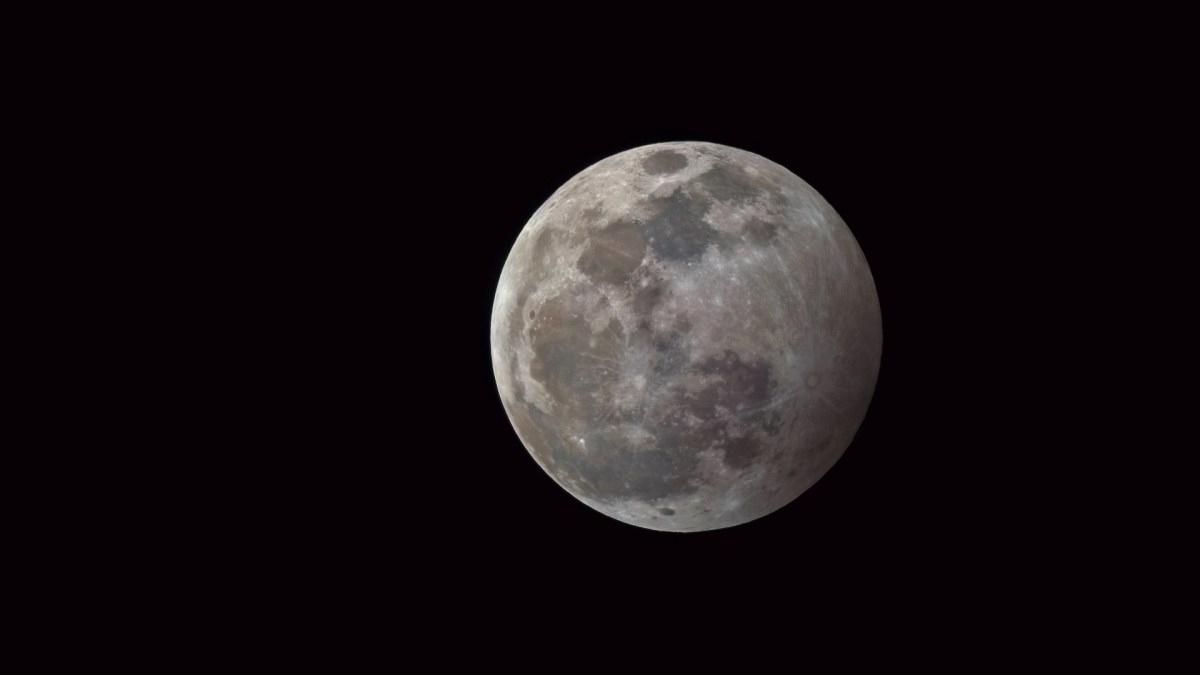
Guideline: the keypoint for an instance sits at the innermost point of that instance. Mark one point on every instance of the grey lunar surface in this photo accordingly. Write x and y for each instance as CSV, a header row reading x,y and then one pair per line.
x,y
686,336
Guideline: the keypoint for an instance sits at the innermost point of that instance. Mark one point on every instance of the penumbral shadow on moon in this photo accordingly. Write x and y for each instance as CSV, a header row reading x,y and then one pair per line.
x,y
686,336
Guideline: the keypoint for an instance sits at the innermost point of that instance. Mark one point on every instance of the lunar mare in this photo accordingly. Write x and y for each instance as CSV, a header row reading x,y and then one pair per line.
x,y
686,336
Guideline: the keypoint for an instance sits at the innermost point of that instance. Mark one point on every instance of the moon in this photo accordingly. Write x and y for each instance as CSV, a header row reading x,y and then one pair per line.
x,y
686,336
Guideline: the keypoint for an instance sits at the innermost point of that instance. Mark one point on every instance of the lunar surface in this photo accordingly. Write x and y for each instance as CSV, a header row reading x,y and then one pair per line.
x,y
686,336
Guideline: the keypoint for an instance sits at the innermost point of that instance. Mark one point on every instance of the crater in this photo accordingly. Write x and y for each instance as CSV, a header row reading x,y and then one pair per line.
x,y
667,511
664,162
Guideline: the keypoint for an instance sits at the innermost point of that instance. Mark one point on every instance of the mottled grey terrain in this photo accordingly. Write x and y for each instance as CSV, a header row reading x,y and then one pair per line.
x,y
686,336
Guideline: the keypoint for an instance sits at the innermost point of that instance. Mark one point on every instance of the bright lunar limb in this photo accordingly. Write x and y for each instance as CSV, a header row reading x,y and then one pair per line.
x,y
686,336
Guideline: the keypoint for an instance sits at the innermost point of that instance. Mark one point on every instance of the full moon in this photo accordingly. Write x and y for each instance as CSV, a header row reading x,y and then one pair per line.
x,y
686,336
